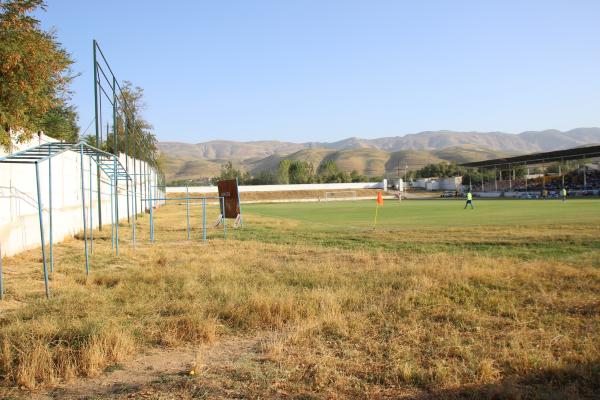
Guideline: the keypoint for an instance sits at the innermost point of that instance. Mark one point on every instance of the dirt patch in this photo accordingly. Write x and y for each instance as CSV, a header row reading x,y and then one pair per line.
x,y
155,373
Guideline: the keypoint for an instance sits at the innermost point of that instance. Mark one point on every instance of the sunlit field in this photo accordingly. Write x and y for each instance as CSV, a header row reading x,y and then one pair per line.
x,y
433,214
312,301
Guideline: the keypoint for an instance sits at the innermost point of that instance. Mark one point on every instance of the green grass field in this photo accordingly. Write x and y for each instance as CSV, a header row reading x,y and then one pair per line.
x,y
433,214
520,229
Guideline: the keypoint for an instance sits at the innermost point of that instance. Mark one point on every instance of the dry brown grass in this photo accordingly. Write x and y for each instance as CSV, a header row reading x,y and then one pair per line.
x,y
340,323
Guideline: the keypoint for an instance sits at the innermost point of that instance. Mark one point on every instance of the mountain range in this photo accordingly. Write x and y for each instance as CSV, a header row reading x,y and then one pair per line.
x,y
368,156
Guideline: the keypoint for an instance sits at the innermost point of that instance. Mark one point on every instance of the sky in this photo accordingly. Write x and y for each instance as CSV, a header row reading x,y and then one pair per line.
x,y
326,70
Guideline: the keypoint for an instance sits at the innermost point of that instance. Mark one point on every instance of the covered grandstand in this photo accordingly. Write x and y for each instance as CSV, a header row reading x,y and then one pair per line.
x,y
538,174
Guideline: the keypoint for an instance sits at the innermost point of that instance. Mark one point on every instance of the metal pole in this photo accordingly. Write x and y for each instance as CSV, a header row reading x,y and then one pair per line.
x,y
482,186
151,214
42,239
134,211
204,220
91,208
112,214
187,209
50,210
584,177
115,118
543,178
224,220
526,178
116,206
87,260
239,202
145,187
126,122
509,180
496,178
98,129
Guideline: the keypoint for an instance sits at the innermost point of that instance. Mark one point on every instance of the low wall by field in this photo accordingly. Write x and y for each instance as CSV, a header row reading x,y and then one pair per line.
x,y
284,188
19,220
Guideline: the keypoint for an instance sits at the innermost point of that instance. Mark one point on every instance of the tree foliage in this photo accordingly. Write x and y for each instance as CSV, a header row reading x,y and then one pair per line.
x,y
134,135
34,76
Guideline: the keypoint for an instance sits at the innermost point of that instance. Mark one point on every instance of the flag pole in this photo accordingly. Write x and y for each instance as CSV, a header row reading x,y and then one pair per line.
x,y
378,202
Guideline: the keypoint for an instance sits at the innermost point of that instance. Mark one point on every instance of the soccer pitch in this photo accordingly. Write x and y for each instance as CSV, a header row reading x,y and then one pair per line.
x,y
414,214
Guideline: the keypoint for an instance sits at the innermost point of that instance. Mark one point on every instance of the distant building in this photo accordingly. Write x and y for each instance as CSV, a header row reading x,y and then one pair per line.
x,y
433,184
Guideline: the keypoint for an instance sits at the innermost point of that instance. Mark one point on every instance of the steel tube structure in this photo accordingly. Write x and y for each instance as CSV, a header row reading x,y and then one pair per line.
x,y
46,152
204,220
87,257
223,219
151,216
116,184
187,210
41,218
112,215
91,209
50,219
98,130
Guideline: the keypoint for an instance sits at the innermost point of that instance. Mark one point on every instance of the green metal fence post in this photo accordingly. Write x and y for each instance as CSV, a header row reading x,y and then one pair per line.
x,y
223,219
151,212
41,219
116,180
187,210
112,214
50,210
239,203
98,128
204,219
91,208
87,260
126,122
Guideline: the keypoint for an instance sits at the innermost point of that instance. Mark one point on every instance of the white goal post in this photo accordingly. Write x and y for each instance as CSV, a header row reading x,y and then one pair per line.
x,y
340,194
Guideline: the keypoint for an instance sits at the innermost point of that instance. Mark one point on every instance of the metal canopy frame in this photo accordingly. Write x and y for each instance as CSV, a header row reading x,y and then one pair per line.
x,y
108,163
107,87
539,158
550,157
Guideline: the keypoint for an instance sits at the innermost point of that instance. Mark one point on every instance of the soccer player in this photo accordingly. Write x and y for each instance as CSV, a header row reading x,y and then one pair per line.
x,y
469,200
563,192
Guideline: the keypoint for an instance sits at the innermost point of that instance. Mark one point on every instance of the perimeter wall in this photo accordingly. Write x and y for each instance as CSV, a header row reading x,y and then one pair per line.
x,y
19,221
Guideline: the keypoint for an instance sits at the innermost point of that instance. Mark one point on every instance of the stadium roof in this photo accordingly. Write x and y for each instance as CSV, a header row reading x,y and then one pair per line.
x,y
577,153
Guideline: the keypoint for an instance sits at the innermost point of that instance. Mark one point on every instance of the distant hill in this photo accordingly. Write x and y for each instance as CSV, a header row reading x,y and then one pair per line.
x,y
229,149
367,156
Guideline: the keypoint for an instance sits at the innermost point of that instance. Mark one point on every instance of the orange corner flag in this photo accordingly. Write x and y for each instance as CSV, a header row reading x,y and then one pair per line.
x,y
379,199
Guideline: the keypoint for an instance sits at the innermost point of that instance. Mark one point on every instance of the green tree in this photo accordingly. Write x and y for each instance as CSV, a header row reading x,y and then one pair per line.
x,y
60,122
229,171
133,130
300,172
328,167
34,74
283,172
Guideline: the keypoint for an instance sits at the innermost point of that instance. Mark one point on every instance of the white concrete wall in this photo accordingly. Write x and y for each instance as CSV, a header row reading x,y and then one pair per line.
x,y
453,183
19,221
432,185
284,188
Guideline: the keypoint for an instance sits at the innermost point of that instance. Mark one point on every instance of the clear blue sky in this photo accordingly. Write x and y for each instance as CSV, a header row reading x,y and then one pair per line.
x,y
325,70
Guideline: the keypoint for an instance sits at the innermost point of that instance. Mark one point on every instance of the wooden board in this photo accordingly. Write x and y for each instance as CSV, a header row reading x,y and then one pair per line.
x,y
229,191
